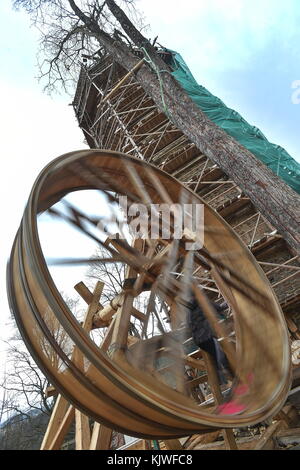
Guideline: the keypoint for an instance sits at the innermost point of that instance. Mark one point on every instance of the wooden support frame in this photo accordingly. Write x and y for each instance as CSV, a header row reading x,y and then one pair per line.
x,y
119,86
63,413
117,330
56,420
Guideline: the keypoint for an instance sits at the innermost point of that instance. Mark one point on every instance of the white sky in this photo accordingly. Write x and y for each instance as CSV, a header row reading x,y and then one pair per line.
x,y
34,129
228,45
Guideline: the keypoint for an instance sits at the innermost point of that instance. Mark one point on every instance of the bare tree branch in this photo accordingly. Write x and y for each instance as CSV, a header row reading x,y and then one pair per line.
x,y
70,29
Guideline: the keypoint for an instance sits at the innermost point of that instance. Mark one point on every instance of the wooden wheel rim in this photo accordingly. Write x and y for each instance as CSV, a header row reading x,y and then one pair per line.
x,y
109,393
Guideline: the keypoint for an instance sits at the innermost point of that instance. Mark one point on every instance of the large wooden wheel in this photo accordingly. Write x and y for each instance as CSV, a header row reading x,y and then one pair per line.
x,y
137,380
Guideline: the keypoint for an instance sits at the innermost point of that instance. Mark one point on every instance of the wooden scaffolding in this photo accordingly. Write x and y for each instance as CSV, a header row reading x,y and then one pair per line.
x,y
115,112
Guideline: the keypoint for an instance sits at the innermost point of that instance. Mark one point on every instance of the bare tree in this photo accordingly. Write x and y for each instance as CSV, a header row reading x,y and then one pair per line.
x,y
70,28
25,409
25,406
73,30
111,274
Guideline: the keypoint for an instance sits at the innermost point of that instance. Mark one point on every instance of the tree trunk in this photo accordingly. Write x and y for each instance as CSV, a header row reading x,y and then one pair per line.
x,y
277,202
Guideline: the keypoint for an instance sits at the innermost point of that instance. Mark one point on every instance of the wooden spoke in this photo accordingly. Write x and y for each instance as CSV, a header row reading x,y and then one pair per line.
x,y
79,261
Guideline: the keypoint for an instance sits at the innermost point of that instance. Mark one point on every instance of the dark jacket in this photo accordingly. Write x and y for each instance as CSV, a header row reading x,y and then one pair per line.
x,y
199,325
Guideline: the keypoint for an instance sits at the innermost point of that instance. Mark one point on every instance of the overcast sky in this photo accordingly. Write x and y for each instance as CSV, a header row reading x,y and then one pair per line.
x,y
246,52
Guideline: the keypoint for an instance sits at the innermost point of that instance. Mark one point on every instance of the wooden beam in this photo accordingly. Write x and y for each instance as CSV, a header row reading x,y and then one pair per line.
x,y
281,266
82,431
101,437
197,364
288,436
82,426
63,414
266,441
50,392
87,296
203,439
63,429
93,307
103,316
56,419
173,444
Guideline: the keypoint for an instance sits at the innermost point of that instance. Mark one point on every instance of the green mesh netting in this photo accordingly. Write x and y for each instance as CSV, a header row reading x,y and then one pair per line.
x,y
274,156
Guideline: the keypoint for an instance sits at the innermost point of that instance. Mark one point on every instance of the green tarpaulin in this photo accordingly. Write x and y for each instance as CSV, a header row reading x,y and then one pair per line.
x,y
274,156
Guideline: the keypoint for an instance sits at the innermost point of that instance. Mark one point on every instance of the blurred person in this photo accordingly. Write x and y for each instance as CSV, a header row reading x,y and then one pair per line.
x,y
205,338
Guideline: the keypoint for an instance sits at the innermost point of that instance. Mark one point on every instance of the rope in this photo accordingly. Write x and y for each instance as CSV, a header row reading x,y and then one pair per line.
x,y
158,73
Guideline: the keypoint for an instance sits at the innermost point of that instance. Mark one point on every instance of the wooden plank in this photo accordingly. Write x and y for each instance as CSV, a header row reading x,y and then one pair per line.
x,y
120,332
197,364
87,323
50,391
282,416
103,316
57,417
93,307
204,439
292,414
85,293
82,427
173,444
288,437
101,437
265,442
244,443
82,431
63,429
87,296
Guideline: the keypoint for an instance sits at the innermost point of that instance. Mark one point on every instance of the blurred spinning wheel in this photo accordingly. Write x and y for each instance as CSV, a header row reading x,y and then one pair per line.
x,y
138,380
